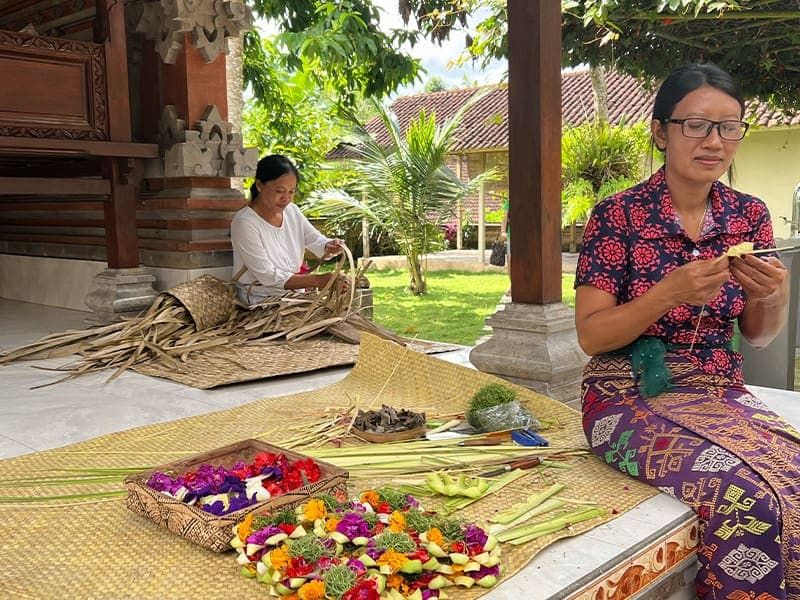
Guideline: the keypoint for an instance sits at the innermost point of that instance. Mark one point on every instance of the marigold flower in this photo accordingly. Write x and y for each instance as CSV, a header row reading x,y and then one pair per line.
x,y
245,528
331,523
435,536
392,558
314,509
397,522
370,497
313,590
279,557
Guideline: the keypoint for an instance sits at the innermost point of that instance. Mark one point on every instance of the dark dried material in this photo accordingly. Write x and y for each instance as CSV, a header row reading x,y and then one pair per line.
x,y
388,420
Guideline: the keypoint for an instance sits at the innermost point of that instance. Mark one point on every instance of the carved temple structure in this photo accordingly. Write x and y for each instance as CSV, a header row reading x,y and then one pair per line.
x,y
115,149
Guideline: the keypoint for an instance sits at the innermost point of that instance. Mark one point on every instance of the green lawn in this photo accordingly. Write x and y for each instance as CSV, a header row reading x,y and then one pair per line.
x,y
453,310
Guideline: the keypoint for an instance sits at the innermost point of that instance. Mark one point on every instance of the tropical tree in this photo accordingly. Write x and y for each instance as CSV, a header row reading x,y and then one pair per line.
x,y
339,44
293,117
598,159
755,39
404,189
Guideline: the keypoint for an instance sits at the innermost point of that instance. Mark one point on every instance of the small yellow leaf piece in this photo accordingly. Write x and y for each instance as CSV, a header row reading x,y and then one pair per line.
x,y
739,249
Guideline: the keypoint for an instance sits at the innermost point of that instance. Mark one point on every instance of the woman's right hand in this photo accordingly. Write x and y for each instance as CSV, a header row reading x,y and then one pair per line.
x,y
697,282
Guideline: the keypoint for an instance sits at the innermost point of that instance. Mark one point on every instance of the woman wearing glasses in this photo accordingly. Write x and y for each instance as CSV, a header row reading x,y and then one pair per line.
x,y
656,300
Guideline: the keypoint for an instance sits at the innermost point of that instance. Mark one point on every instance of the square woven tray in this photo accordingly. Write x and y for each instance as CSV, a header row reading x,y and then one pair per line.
x,y
212,531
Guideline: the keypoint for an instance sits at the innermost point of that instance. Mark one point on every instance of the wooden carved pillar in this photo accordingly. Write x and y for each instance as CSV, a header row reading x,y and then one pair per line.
x,y
119,209
533,339
185,211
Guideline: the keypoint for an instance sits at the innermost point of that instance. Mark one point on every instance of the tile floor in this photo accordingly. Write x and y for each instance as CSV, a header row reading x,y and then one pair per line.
x,y
86,407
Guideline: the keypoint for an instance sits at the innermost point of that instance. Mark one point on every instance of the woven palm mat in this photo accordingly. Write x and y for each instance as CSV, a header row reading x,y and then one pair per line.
x,y
102,550
252,360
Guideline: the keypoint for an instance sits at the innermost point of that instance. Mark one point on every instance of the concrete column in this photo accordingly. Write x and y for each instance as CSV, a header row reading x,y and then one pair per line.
x,y
459,211
118,293
482,223
536,346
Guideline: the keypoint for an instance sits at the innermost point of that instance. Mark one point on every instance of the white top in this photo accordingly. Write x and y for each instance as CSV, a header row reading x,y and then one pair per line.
x,y
271,254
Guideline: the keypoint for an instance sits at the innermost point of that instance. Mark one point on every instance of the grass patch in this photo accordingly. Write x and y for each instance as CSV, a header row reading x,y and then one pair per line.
x,y
453,310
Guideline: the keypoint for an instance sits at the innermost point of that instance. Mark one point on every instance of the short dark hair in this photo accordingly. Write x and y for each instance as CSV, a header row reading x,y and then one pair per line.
x,y
272,167
688,78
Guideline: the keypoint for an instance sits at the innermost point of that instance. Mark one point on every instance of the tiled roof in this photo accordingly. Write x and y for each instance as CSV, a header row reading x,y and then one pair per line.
x,y
485,126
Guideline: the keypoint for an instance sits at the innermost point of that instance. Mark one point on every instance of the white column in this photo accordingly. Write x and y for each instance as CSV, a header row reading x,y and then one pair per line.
x,y
459,210
364,230
482,223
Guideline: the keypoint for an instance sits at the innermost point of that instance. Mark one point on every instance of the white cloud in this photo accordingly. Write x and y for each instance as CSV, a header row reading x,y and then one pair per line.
x,y
439,60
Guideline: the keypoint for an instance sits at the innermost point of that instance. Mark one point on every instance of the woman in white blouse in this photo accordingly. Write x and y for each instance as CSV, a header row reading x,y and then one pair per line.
x,y
270,236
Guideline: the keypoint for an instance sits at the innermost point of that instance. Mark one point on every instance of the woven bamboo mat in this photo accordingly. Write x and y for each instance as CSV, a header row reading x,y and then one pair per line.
x,y
102,550
254,360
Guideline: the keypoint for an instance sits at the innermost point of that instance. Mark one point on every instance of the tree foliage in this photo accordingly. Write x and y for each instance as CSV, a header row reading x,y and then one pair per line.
x,y
599,159
339,44
292,116
755,40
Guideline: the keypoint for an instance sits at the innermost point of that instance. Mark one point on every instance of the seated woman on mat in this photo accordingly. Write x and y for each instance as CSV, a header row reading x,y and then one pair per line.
x,y
663,395
270,236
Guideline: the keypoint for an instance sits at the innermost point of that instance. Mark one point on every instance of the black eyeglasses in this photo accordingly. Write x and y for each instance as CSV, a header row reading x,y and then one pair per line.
x,y
698,128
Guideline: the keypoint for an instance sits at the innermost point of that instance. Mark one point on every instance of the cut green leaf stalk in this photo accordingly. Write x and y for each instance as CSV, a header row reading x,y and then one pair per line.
x,y
519,510
527,533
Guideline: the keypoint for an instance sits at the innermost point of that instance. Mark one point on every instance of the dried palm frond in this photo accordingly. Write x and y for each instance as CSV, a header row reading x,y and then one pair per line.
x,y
202,315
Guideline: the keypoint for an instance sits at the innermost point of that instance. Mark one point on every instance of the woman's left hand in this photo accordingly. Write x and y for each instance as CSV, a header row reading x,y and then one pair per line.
x,y
763,280
334,248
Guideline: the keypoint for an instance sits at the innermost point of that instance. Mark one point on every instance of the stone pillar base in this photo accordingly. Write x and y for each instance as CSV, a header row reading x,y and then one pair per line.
x,y
118,293
535,346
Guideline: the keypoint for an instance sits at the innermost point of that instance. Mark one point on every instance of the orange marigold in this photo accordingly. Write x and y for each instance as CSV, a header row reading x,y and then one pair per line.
x,y
392,558
397,522
245,528
279,557
370,497
331,523
435,536
394,581
314,509
313,590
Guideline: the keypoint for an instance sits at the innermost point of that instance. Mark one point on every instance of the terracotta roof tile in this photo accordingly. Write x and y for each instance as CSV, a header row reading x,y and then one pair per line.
x,y
485,126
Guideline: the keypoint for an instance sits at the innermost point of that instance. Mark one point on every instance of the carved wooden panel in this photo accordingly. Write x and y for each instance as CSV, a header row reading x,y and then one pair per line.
x,y
52,88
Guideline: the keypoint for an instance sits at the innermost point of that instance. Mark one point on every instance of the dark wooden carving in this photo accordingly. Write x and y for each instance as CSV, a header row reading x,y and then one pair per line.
x,y
53,88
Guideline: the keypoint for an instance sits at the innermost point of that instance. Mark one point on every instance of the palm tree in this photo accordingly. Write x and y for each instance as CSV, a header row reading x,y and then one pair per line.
x,y
404,190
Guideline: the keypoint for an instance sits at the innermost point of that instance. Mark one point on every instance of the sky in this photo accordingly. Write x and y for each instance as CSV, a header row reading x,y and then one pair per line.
x,y
437,60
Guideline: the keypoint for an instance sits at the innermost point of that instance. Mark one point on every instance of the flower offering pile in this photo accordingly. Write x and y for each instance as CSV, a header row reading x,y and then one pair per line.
x,y
220,491
383,546
200,498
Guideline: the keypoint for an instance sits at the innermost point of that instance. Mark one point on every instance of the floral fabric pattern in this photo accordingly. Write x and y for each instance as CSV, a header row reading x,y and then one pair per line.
x,y
706,441
634,239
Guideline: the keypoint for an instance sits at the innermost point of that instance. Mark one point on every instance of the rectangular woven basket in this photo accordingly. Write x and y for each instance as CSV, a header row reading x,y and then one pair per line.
x,y
212,531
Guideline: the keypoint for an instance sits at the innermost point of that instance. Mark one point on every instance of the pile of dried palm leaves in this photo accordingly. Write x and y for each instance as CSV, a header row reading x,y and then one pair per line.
x,y
204,314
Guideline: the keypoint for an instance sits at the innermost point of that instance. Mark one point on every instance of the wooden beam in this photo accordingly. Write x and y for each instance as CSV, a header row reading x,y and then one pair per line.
x,y
534,109
52,186
62,147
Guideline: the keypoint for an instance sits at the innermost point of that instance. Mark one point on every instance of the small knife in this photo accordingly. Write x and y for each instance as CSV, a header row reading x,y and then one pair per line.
x,y
520,463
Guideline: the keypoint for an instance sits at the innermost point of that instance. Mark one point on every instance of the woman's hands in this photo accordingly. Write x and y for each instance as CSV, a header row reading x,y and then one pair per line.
x,y
333,248
766,283
763,280
697,282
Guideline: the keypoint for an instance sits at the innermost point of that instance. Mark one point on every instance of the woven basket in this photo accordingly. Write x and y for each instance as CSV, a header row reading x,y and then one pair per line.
x,y
208,300
212,531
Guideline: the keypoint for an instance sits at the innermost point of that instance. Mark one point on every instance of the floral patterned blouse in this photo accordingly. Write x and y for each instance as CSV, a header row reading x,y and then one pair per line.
x,y
634,239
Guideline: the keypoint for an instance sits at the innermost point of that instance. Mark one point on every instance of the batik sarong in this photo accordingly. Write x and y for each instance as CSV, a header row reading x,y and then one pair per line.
x,y
714,446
